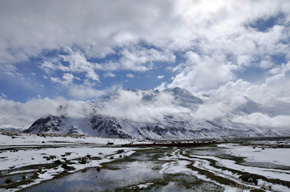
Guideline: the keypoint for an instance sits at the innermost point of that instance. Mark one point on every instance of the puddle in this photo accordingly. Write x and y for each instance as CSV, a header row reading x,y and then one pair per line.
x,y
265,165
206,151
175,183
130,173
120,176
171,186
15,178
176,187
139,168
150,154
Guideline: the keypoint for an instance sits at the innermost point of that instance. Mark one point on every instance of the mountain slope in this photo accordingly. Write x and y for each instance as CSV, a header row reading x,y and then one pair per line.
x,y
168,114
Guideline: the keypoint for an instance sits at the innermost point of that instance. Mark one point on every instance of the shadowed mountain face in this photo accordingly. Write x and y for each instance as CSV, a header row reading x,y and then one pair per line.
x,y
169,114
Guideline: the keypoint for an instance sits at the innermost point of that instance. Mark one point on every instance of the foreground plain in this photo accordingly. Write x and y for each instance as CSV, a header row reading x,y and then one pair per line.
x,y
31,162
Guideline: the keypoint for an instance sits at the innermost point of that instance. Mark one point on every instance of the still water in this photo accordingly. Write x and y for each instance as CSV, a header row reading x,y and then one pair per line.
x,y
115,176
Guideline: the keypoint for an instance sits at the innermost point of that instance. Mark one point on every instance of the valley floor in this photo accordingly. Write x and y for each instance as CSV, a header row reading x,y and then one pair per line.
x,y
51,163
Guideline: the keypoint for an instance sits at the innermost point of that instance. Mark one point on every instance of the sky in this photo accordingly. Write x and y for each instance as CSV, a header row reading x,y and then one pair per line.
x,y
73,51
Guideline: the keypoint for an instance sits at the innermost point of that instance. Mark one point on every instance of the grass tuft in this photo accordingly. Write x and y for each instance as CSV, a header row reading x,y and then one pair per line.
x,y
8,180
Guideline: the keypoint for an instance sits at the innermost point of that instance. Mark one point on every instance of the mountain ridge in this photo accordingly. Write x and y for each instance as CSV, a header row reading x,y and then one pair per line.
x,y
152,114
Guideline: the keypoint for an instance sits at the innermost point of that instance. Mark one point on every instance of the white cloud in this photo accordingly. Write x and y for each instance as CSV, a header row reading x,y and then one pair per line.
x,y
92,75
141,59
129,105
27,31
47,66
203,72
273,94
280,69
85,92
55,79
82,91
130,75
266,63
68,79
162,86
53,65
133,58
22,115
109,74
262,120
79,64
274,88
173,25
2,96
215,107
145,33
160,76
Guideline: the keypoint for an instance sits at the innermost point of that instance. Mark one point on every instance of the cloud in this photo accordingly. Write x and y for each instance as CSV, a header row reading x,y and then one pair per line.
x,y
203,72
85,92
160,76
68,77
162,86
272,95
55,79
65,81
266,63
22,115
274,88
172,24
79,64
262,120
109,74
92,75
215,107
3,96
134,58
141,59
141,34
130,105
28,30
48,66
221,59
130,75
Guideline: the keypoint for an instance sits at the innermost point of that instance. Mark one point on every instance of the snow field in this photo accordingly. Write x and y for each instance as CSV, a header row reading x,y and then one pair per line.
x,y
26,150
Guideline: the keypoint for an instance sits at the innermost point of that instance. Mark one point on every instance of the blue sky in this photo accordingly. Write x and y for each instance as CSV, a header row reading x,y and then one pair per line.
x,y
33,80
80,51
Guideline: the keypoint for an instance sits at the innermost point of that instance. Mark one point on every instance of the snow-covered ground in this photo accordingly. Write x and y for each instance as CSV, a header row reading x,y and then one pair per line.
x,y
279,156
18,152
178,163
33,139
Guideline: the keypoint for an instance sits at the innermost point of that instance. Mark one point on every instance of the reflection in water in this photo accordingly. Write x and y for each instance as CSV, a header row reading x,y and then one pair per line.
x,y
143,168
15,177
128,173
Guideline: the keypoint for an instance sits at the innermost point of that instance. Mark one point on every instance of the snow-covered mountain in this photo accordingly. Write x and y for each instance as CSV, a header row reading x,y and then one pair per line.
x,y
169,114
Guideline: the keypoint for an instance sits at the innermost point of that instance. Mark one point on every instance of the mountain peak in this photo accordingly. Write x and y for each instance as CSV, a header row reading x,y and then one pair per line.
x,y
184,96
